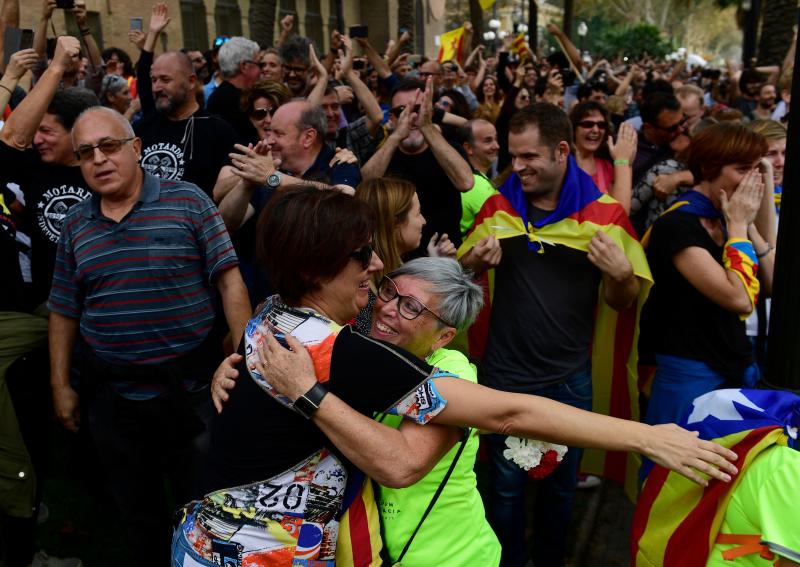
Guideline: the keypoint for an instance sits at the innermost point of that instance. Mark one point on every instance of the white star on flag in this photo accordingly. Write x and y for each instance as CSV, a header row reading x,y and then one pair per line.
x,y
720,404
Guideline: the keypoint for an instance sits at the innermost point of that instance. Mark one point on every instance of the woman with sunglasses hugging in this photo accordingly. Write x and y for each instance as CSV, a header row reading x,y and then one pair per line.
x,y
398,232
287,471
594,144
261,101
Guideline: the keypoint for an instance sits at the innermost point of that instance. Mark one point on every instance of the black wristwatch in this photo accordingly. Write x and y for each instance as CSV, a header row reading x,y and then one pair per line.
x,y
307,404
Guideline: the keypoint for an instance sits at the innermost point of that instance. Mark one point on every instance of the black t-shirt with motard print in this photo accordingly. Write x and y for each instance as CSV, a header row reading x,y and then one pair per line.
x,y
192,150
50,191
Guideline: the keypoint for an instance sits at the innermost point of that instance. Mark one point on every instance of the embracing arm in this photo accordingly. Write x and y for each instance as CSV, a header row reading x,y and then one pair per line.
x,y
393,457
540,418
472,405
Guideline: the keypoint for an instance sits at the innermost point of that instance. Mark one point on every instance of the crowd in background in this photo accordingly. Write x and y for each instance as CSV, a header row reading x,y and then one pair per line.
x,y
149,204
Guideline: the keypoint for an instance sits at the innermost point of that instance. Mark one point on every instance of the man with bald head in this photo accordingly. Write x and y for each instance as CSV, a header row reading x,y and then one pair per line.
x,y
181,140
298,155
142,269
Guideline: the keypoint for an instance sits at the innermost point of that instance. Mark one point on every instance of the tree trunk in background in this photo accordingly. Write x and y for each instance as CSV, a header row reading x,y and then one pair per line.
x,y
776,31
476,17
262,22
569,15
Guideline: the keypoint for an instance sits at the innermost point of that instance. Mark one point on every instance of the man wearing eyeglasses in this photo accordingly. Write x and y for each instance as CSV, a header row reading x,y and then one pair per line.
x,y
141,268
239,67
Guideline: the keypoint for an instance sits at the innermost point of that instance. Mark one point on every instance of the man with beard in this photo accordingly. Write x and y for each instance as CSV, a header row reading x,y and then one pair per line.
x,y
765,103
173,123
296,64
417,151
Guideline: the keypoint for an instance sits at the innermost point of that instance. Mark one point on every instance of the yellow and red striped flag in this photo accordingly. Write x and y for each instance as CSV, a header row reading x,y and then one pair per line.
x,y
582,211
677,522
450,45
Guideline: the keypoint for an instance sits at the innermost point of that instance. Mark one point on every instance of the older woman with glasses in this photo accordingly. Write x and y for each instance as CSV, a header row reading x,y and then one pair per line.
x,y
293,473
593,138
261,101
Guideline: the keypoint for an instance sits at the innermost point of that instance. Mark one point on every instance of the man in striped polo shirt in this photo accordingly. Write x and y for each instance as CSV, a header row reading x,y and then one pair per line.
x,y
141,269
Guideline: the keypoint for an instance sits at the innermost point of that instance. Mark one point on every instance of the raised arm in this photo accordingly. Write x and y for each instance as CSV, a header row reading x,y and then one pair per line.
x,y
9,17
92,51
377,62
372,109
19,63
623,152
394,51
40,34
456,167
287,23
569,48
377,164
21,126
318,92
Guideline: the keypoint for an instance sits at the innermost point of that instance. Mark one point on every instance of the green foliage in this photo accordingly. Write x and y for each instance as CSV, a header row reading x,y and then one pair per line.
x,y
633,41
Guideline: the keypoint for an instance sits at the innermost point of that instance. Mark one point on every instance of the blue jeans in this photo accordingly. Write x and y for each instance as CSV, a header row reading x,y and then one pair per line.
x,y
552,509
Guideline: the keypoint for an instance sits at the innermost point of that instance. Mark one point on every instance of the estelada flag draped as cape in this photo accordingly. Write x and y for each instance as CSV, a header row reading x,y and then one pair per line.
x,y
582,210
677,521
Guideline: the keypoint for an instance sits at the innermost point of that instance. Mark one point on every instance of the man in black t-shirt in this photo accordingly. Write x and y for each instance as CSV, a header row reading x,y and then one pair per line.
x,y
541,327
180,140
417,151
238,65
48,174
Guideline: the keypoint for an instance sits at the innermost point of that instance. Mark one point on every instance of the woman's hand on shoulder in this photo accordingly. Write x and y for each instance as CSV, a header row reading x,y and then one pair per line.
x,y
289,370
684,452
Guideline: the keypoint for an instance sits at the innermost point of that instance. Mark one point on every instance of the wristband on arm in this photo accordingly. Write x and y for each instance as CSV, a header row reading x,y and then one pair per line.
x,y
740,257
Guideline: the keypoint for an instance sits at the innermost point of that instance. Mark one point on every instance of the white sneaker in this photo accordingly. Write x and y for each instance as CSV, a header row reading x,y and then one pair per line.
x,y
41,559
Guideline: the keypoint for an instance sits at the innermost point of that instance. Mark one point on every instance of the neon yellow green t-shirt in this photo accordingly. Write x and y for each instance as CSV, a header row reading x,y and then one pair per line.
x,y
473,200
765,502
455,533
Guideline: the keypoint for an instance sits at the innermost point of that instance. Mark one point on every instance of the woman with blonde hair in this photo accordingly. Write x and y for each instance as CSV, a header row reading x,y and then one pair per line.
x,y
399,223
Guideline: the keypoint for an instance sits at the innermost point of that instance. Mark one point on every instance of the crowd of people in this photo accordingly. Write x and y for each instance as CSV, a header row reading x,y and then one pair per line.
x,y
302,286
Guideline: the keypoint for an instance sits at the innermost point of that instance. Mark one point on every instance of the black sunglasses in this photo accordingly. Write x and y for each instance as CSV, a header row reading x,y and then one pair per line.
x,y
589,124
363,255
398,110
261,113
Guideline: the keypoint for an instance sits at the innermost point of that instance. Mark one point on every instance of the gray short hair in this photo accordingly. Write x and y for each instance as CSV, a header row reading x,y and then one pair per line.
x,y
233,52
460,298
313,117
119,118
